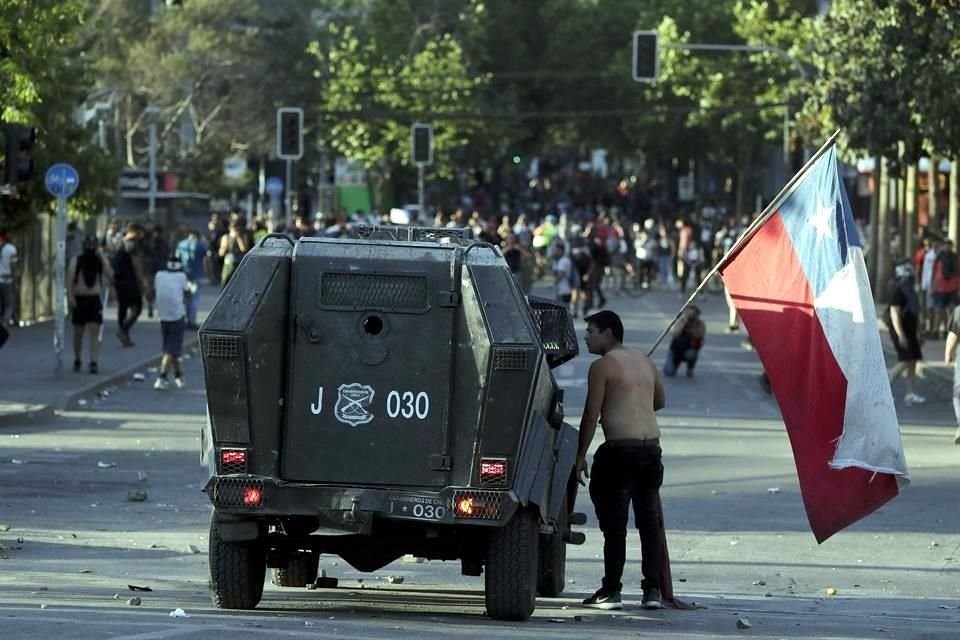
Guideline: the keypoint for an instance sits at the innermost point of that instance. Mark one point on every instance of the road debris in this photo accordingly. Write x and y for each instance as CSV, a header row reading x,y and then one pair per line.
x,y
191,548
179,613
743,623
139,377
134,601
133,587
135,495
86,571
773,490
143,476
4,527
17,461
395,579
106,465
831,591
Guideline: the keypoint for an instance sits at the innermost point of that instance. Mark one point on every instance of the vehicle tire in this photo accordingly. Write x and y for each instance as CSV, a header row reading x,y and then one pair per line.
x,y
237,571
552,569
301,571
511,568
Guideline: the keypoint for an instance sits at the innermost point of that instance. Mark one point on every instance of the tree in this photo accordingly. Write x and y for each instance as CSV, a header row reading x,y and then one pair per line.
x,y
43,79
374,90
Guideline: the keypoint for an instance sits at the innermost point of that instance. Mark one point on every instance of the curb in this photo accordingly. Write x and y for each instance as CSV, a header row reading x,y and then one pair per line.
x,y
35,413
69,402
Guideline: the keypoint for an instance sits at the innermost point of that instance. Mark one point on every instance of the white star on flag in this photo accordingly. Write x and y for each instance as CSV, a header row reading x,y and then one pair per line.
x,y
821,220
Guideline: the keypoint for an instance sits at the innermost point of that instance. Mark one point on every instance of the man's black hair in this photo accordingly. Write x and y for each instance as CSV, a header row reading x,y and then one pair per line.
x,y
607,319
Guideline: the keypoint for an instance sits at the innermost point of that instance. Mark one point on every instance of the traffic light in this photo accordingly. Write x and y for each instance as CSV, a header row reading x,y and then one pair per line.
x,y
422,141
290,133
646,56
19,165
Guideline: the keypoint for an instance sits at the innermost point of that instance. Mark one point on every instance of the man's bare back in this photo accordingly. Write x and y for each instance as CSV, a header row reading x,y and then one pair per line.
x,y
632,392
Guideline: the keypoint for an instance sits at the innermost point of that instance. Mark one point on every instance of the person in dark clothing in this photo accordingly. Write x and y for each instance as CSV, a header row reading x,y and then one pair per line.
x,y
129,283
88,276
903,320
601,260
155,251
688,335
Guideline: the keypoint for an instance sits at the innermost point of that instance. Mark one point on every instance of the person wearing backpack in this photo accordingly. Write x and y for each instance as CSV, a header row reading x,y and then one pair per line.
x,y
946,282
88,276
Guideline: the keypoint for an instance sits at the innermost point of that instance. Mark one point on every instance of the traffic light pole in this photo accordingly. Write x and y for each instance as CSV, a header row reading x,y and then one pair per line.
x,y
423,214
288,197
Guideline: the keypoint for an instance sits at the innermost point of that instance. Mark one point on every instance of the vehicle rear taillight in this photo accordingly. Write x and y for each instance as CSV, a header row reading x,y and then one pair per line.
x,y
477,505
252,496
233,461
493,472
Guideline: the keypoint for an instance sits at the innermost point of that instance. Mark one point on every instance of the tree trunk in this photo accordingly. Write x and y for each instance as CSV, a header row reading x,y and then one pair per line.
x,y
128,131
952,208
933,217
884,264
874,215
905,232
910,207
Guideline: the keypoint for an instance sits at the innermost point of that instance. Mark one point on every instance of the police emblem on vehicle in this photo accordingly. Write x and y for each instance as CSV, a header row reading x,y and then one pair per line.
x,y
353,404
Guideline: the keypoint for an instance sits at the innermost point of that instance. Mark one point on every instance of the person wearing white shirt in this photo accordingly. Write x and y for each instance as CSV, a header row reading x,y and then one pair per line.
x,y
8,272
562,270
926,282
171,286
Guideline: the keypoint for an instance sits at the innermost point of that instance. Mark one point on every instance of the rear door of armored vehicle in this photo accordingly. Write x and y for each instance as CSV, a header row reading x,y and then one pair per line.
x,y
369,364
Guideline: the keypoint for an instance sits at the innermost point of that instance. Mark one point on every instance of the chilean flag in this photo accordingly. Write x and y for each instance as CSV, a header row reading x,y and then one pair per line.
x,y
801,287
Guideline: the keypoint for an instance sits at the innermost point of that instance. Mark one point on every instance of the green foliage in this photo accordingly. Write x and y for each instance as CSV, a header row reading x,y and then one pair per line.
x,y
885,75
372,97
44,76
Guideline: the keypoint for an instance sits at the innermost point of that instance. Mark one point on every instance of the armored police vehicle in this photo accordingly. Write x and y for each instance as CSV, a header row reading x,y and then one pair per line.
x,y
381,395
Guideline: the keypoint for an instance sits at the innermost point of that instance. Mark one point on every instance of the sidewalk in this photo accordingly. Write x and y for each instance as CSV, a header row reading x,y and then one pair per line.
x,y
29,390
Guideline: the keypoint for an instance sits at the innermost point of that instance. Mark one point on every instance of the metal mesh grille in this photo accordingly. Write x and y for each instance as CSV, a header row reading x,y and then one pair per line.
x,y
486,505
228,492
555,329
509,359
221,346
373,291
232,468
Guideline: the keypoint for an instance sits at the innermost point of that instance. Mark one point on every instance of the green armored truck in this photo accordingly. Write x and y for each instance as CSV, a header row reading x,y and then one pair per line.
x,y
380,395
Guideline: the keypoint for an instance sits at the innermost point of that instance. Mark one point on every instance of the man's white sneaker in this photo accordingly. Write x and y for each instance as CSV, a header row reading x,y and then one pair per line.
x,y
179,382
911,399
162,384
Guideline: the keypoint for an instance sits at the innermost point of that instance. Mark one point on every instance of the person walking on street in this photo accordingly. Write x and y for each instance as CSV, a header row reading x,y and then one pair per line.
x,y
686,342
232,248
129,283
930,249
564,273
946,283
87,274
191,251
8,282
902,318
950,357
624,391
8,278
172,289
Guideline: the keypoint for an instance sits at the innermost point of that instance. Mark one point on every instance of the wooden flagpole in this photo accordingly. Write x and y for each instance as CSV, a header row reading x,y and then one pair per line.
x,y
765,215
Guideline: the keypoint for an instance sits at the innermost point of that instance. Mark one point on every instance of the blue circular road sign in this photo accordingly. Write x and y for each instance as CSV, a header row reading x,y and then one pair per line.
x,y
61,180
274,186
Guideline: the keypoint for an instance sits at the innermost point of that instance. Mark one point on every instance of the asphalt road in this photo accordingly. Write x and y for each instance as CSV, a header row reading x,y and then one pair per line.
x,y
738,536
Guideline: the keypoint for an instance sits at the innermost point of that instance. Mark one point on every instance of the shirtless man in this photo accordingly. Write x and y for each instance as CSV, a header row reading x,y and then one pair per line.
x,y
624,391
